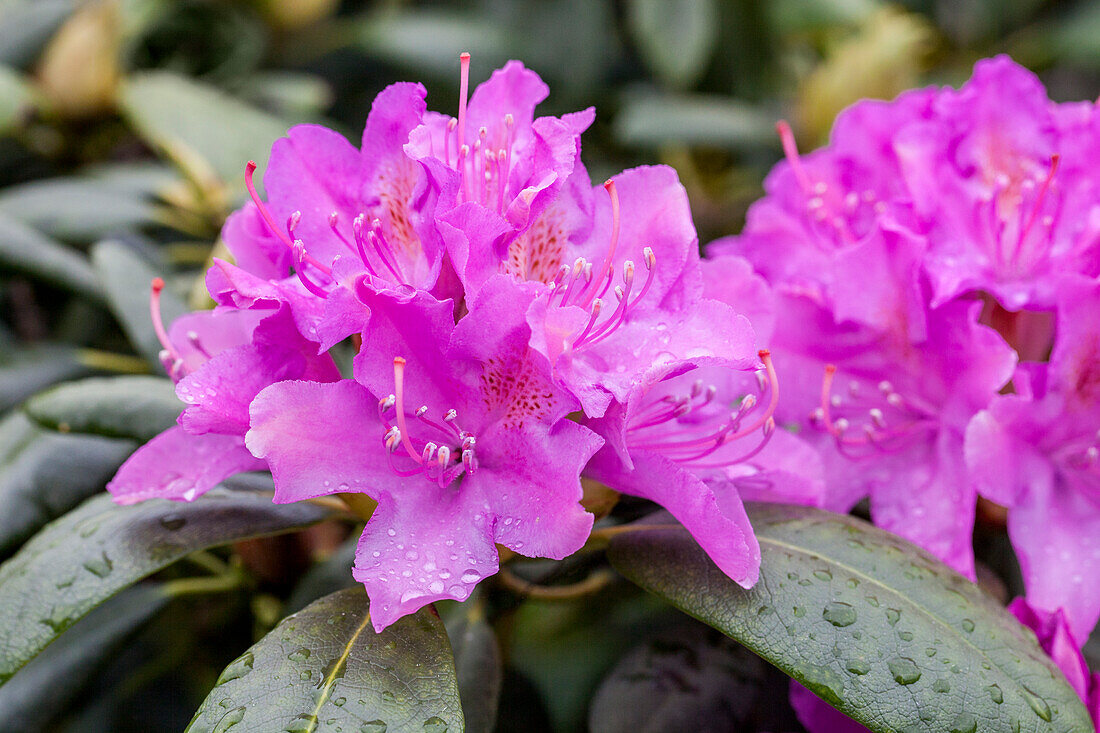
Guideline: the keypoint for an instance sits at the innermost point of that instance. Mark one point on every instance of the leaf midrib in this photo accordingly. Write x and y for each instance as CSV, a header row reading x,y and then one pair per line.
x,y
330,678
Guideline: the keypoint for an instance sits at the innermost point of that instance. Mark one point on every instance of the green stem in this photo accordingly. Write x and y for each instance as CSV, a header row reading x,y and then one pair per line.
x,y
194,586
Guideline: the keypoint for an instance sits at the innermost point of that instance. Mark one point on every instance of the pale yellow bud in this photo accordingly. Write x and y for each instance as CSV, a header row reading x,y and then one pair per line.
x,y
79,73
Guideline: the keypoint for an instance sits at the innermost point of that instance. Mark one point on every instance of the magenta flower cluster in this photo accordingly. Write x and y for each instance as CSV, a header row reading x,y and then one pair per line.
x,y
935,269
513,329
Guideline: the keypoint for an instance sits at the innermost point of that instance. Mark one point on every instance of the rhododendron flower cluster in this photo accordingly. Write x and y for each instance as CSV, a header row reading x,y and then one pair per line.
x,y
515,328
935,273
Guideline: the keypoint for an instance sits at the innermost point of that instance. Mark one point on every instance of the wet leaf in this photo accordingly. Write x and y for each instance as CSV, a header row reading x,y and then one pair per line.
x,y
24,371
137,407
325,668
42,689
432,40
872,624
88,207
44,474
126,277
96,550
26,250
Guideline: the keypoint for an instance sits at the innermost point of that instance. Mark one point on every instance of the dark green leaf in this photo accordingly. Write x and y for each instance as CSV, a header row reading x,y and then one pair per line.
x,y
325,668
187,118
96,550
874,625
78,209
696,119
29,251
42,689
27,370
477,663
692,678
137,407
676,37
126,278
44,474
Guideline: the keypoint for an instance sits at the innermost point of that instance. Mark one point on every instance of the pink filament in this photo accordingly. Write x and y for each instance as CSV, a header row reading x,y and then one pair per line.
x,y
399,390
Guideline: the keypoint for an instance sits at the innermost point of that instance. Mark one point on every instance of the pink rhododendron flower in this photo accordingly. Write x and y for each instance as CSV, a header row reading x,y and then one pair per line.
x,y
1037,451
466,447
220,360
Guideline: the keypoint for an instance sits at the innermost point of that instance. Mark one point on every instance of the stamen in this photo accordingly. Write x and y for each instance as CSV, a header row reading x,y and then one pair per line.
x,y
790,151
196,343
249,170
300,270
463,92
773,385
608,261
399,392
158,324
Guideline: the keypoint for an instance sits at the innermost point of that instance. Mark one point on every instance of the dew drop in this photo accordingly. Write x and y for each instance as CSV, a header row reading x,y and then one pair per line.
x,y
436,586
871,601
100,567
302,724
905,635
967,625
839,614
764,610
799,611
996,694
823,575
373,726
892,616
344,488
904,670
230,719
238,668
470,576
387,696
299,655
941,686
339,702
305,674
1037,704
964,723
858,666
172,522
435,724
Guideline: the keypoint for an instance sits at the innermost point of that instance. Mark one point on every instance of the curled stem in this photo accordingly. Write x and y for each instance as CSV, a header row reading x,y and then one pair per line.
x,y
593,583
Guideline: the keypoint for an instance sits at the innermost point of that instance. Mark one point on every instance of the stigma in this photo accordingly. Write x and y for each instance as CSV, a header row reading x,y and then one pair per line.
x,y
693,430
439,450
866,422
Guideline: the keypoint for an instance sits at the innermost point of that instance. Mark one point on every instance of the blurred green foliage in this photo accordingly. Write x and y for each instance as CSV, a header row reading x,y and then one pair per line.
x,y
125,126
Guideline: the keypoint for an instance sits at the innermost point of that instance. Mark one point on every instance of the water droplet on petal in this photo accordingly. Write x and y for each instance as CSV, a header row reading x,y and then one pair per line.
x,y
904,670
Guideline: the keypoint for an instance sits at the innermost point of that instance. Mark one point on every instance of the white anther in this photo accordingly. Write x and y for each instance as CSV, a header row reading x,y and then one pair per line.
x,y
746,404
451,415
650,258
696,388
820,188
834,400
578,266
619,293
628,270
429,451
817,416
597,304
333,218
464,151
769,426
292,222
841,425
469,442
885,387
877,417
452,124
193,337
444,456
894,400
469,461
165,356
761,380
509,120
1092,454
387,402
588,272
421,410
711,392
815,203
392,439
851,200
